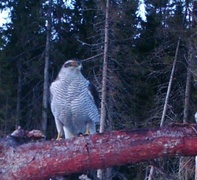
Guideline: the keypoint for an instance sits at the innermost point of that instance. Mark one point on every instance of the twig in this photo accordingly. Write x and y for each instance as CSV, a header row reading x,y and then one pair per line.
x,y
88,59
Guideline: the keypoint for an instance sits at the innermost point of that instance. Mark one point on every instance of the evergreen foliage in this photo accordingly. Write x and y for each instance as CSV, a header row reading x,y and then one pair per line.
x,y
141,54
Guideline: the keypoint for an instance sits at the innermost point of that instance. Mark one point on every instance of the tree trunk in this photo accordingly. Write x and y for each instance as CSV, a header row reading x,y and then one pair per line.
x,y
184,165
194,23
183,162
19,90
104,72
46,71
166,100
169,85
43,160
187,95
104,79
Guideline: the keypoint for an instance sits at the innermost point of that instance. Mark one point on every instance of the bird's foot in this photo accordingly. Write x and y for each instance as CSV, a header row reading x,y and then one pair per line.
x,y
58,137
87,132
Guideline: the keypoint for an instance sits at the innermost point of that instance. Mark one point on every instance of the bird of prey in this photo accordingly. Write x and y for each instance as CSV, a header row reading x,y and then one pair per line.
x,y
74,101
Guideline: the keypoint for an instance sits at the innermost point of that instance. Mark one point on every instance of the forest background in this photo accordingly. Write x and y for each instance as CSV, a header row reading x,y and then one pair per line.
x,y
42,35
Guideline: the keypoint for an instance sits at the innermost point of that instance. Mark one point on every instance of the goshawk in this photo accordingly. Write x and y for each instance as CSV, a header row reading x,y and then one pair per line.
x,y
74,101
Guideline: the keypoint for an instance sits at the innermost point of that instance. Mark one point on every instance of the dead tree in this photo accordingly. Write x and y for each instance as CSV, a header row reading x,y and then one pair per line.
x,y
46,69
40,160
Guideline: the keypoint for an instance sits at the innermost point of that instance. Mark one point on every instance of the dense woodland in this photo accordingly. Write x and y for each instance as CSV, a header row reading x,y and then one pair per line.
x,y
141,54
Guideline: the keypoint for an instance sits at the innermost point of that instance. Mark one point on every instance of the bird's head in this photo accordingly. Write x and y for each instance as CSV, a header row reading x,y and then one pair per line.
x,y
73,64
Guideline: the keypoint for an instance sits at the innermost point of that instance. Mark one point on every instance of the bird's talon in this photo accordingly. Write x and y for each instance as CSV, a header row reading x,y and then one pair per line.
x,y
87,133
58,137
80,135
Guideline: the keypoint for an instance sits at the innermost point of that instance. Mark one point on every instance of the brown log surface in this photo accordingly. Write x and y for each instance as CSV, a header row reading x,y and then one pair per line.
x,y
42,160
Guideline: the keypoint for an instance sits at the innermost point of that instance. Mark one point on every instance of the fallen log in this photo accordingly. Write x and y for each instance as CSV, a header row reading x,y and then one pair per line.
x,y
41,160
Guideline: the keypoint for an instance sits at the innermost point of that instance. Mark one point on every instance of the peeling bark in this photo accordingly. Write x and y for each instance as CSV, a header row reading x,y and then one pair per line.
x,y
42,160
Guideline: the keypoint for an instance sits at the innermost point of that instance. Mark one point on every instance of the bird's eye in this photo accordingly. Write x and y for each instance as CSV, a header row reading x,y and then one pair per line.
x,y
73,64
70,64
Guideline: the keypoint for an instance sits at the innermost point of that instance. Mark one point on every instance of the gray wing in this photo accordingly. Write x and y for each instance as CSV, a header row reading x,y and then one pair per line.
x,y
50,90
94,94
50,99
